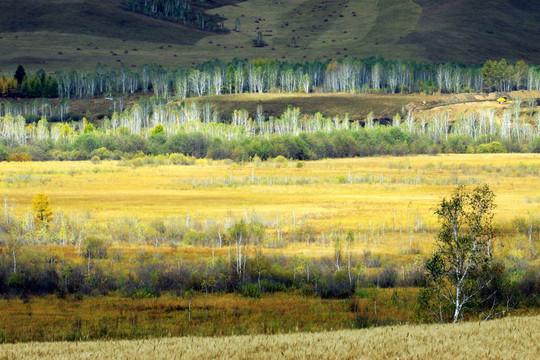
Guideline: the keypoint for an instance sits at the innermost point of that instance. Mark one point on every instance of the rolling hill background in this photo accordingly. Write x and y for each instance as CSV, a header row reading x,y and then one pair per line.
x,y
55,34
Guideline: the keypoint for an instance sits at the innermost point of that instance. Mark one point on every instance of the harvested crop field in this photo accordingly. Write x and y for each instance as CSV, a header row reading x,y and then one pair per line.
x,y
509,338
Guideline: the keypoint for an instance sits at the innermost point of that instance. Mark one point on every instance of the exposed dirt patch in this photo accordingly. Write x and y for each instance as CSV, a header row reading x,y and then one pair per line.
x,y
466,103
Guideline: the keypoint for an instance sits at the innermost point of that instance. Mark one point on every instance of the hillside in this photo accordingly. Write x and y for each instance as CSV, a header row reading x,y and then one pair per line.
x,y
509,338
358,106
57,34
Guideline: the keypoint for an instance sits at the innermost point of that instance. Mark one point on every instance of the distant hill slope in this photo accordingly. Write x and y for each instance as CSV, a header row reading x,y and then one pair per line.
x,y
476,30
79,33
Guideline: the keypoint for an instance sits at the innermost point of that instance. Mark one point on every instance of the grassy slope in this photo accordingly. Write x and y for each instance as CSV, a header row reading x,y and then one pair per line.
x,y
509,338
33,32
357,106
473,31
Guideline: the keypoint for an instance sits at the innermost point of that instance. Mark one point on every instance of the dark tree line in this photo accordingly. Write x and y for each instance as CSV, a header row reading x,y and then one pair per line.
x,y
39,85
187,12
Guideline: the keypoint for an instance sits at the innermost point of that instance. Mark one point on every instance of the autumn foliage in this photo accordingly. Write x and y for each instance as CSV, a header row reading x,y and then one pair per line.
x,y
42,208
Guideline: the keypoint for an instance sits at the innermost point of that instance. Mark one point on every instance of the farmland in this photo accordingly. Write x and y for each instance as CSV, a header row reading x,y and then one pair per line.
x,y
509,338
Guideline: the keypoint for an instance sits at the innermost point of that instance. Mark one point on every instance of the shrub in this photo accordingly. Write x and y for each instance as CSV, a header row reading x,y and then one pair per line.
x,y
41,207
88,128
133,144
74,116
433,149
181,159
195,238
19,157
387,278
38,152
535,146
457,144
158,129
3,153
399,149
96,160
102,153
95,248
491,148
251,290
87,142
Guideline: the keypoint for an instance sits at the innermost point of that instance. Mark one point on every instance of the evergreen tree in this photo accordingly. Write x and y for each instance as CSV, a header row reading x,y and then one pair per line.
x,y
20,73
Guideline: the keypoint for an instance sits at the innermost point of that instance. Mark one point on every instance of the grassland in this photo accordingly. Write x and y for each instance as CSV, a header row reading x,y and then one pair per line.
x,y
117,317
330,105
77,34
364,194
509,338
387,201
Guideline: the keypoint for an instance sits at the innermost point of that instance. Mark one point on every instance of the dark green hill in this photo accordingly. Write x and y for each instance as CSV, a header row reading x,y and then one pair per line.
x,y
76,33
477,30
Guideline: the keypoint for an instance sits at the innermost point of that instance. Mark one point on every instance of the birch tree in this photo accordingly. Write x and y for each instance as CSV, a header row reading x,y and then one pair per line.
x,y
461,268
305,83
376,77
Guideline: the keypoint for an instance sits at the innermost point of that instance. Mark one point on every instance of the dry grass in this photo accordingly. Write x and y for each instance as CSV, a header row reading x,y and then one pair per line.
x,y
467,103
383,191
509,338
357,106
108,190
115,317
410,188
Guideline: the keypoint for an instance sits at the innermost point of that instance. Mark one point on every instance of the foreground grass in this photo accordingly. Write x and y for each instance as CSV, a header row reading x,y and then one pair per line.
x,y
509,338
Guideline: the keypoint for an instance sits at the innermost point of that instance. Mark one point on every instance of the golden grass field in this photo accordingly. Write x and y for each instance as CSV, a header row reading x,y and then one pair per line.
x,y
508,338
378,185
364,194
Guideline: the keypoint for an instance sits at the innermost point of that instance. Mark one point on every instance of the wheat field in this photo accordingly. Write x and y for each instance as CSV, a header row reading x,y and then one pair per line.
x,y
508,338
